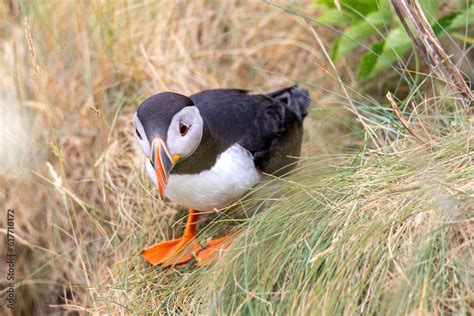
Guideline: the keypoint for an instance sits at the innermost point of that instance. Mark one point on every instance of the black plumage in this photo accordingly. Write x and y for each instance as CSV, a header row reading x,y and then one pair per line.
x,y
269,126
156,123
229,139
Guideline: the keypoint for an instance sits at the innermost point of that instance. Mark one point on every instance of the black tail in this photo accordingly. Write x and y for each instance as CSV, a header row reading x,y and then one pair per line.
x,y
296,99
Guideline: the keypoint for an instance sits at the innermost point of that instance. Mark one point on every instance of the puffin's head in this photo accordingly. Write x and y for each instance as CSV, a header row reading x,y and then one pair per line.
x,y
169,128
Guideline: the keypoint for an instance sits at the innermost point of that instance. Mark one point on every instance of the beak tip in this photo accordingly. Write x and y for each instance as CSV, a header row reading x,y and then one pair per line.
x,y
162,163
161,192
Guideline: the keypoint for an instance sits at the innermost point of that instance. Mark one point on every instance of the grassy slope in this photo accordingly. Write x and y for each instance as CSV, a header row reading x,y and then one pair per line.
x,y
390,235
386,231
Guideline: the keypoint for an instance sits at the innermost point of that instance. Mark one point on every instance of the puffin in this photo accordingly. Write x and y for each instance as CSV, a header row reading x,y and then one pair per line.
x,y
205,151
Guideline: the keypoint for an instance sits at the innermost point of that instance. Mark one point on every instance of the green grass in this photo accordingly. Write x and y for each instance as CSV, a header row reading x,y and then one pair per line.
x,y
392,235
372,221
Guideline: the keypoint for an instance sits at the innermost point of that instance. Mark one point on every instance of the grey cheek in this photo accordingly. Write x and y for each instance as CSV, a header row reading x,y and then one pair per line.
x,y
151,171
146,148
144,144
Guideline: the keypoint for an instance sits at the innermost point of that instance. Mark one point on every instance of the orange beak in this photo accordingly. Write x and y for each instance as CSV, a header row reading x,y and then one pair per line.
x,y
162,162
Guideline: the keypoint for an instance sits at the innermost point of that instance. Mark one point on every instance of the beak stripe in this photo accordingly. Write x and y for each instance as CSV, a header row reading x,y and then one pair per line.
x,y
162,163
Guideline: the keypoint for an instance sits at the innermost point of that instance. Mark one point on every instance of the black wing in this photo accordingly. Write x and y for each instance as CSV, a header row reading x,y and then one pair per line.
x,y
276,133
268,125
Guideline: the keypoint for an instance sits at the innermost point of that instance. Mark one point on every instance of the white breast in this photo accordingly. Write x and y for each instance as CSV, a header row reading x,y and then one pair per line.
x,y
231,177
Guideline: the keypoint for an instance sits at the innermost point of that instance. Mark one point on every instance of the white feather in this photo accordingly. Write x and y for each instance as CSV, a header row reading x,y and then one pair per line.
x,y
230,178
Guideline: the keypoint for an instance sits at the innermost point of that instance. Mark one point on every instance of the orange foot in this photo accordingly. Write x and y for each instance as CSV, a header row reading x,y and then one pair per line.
x,y
171,252
175,251
213,249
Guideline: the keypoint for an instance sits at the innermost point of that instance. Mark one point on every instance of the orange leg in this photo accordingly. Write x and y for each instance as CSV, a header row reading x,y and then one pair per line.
x,y
171,252
213,249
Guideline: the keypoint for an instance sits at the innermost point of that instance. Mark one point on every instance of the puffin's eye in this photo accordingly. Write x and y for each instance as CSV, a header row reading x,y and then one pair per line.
x,y
183,129
138,133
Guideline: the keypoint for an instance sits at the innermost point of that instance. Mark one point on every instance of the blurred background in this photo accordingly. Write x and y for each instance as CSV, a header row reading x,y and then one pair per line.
x,y
72,73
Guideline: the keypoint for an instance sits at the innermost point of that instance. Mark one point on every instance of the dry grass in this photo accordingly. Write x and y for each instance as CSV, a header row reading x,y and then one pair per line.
x,y
71,76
